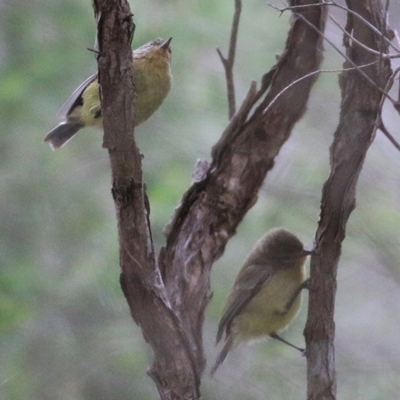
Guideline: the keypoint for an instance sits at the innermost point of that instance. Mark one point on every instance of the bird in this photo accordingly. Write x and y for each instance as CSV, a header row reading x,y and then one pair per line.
x,y
266,295
152,79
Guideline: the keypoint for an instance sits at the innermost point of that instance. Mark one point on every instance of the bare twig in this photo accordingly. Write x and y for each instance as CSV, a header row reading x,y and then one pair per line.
x,y
349,60
242,114
396,35
229,62
388,135
379,120
293,8
372,51
361,18
309,76
237,120
335,4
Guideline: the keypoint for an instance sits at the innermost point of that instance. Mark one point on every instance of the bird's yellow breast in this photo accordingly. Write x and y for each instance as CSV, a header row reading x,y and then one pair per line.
x,y
152,80
266,311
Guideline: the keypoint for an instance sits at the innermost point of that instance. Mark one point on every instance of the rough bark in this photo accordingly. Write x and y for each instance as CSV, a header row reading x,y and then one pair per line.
x,y
359,112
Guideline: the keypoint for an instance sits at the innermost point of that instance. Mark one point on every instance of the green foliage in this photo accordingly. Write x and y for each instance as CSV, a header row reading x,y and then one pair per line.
x,y
65,329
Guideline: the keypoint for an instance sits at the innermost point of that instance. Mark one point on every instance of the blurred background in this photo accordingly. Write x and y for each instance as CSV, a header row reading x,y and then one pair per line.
x,y
65,328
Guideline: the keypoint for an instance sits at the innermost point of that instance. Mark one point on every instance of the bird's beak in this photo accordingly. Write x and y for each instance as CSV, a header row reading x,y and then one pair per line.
x,y
307,252
166,44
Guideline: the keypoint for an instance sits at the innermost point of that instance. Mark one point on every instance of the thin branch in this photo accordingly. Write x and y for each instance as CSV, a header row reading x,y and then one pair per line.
x,y
379,120
372,51
293,8
361,18
350,61
229,62
379,124
388,135
335,4
319,71
236,121
396,35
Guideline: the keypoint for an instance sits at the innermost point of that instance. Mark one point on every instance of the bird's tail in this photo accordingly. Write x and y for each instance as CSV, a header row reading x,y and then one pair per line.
x,y
222,355
62,133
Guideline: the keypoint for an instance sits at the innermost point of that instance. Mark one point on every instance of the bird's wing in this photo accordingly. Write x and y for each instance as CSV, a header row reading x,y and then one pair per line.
x,y
71,102
247,285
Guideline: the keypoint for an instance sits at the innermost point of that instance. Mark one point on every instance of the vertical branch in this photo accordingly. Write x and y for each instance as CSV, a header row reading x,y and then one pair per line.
x,y
173,371
229,62
354,134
